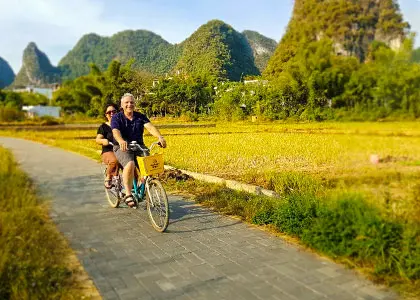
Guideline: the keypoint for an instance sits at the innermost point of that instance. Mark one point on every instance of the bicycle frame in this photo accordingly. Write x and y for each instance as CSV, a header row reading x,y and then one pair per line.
x,y
139,193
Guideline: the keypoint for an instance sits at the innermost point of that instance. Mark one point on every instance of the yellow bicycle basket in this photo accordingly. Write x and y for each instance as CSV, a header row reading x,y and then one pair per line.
x,y
150,165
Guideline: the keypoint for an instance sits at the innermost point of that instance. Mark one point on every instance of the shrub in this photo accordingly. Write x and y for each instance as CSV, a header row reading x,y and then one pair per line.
x,y
350,227
296,214
290,183
9,114
353,228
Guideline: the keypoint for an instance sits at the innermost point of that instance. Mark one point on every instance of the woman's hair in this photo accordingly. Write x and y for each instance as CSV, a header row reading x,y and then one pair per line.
x,y
113,105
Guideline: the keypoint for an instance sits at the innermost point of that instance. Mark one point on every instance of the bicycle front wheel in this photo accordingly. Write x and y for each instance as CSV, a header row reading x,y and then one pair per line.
x,y
157,205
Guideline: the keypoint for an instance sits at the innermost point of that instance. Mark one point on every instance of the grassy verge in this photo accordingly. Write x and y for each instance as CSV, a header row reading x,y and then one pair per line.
x,y
343,226
35,261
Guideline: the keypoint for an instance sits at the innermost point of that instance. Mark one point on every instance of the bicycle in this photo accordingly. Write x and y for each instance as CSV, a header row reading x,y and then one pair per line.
x,y
148,188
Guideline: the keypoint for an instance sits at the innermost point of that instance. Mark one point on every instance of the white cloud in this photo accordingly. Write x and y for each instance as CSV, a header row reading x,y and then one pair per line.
x,y
51,24
75,15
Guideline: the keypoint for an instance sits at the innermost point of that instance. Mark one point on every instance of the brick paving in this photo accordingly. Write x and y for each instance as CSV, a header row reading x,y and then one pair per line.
x,y
202,256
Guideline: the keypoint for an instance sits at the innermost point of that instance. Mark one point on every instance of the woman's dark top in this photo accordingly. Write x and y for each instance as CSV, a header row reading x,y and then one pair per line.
x,y
106,131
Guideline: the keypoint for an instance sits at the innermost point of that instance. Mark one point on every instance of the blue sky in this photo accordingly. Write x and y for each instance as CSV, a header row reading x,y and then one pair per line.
x,y
56,25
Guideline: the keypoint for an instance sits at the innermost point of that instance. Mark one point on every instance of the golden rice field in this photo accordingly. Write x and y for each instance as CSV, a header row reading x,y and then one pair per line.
x,y
336,154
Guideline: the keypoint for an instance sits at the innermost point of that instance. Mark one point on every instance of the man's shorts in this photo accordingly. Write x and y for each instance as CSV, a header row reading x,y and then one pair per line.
x,y
124,157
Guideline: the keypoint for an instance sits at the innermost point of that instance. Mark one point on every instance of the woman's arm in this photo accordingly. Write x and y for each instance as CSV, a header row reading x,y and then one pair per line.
x,y
101,140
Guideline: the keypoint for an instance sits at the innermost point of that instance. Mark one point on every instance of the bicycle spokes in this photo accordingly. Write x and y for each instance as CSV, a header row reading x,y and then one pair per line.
x,y
114,193
157,205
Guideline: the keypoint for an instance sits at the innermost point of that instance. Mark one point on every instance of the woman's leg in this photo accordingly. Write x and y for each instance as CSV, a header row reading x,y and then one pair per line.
x,y
111,161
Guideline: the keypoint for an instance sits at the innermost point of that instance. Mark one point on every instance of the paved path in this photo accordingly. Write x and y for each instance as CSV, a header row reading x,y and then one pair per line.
x,y
203,255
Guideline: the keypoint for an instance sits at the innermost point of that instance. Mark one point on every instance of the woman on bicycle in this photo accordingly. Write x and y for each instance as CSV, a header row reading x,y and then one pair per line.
x,y
104,137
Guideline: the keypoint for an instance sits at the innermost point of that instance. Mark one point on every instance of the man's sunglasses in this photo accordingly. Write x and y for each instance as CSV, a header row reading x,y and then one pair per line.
x,y
111,112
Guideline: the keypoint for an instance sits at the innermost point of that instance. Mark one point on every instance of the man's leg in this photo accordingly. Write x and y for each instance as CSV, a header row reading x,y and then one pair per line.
x,y
126,159
128,176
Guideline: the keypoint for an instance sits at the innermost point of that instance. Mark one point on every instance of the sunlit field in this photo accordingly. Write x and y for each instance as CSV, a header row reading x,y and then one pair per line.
x,y
335,155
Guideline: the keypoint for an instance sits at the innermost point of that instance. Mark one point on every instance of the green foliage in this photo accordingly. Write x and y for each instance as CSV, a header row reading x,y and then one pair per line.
x,y
316,85
13,100
188,96
6,74
321,54
34,99
218,50
11,104
10,114
387,84
416,55
32,257
293,183
296,214
215,48
228,103
89,94
150,52
351,25
350,227
334,62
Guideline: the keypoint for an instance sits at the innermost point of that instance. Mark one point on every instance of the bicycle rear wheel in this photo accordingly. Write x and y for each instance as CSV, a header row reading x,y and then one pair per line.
x,y
157,205
114,194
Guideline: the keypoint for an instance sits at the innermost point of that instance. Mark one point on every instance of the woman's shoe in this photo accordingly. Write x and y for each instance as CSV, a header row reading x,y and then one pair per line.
x,y
108,183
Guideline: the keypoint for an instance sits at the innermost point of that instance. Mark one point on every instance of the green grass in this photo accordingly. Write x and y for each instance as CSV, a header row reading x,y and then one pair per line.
x,y
34,258
342,226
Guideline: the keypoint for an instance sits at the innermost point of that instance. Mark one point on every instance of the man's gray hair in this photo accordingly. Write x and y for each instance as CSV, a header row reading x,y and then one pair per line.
x,y
127,95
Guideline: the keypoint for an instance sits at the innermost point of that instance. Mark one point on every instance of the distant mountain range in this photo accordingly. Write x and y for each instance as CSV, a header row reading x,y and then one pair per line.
x,y
151,53
215,48
218,49
6,73
36,68
262,48
352,26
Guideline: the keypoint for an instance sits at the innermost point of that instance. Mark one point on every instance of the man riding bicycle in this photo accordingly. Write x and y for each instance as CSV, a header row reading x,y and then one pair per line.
x,y
128,126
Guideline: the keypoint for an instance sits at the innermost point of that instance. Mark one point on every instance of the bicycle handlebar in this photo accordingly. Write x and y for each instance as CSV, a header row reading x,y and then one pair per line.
x,y
134,146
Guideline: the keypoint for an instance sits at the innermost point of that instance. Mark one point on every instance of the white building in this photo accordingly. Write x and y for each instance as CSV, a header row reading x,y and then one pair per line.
x,y
39,111
46,91
263,82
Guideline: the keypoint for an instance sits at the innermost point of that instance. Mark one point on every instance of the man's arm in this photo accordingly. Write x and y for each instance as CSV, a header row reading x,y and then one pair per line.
x,y
119,139
156,133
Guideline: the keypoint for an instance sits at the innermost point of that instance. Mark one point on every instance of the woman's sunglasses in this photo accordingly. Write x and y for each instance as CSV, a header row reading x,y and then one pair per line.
x,y
111,112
